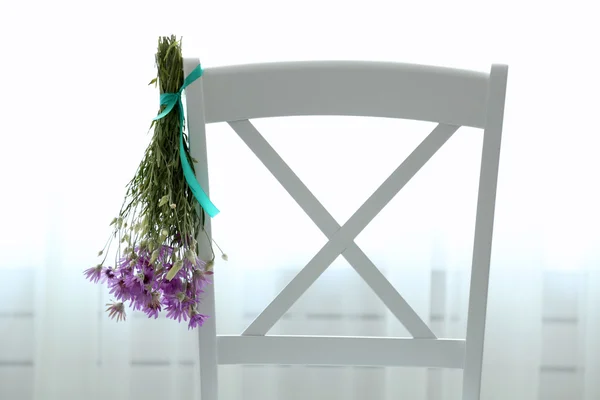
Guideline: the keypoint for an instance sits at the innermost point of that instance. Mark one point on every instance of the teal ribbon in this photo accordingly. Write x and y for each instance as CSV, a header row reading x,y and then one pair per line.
x,y
170,100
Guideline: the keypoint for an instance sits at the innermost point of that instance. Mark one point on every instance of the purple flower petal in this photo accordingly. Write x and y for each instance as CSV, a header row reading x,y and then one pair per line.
x,y
94,274
196,320
153,306
116,311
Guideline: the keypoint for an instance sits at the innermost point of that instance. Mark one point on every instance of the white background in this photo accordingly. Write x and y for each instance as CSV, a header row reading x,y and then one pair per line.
x,y
75,111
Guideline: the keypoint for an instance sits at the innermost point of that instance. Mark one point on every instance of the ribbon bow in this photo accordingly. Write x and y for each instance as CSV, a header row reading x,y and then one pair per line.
x,y
170,100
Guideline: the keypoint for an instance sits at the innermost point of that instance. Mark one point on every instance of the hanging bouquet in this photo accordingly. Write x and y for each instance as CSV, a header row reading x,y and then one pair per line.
x,y
157,266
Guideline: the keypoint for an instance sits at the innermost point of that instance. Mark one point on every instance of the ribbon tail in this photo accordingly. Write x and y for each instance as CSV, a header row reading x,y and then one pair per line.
x,y
190,177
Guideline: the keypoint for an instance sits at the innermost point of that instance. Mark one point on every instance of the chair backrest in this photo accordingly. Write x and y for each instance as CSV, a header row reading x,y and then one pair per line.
x,y
450,97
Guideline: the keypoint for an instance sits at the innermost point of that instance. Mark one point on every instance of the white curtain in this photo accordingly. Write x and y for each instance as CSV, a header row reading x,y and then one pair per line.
x,y
75,112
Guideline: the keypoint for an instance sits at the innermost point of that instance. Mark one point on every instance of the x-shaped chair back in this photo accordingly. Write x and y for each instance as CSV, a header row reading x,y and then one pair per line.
x,y
450,97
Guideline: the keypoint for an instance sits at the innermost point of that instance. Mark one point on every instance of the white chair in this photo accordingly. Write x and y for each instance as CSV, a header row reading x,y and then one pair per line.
x,y
450,97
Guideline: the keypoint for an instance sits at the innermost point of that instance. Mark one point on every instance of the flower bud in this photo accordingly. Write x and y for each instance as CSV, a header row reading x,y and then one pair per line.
x,y
173,206
164,232
154,256
174,270
163,200
191,256
224,257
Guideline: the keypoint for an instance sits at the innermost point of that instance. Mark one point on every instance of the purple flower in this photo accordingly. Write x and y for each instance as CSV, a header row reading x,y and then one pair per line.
x,y
131,280
139,298
198,264
108,274
196,319
94,274
144,284
143,263
126,264
172,287
116,311
178,306
177,312
119,289
152,307
146,276
199,279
